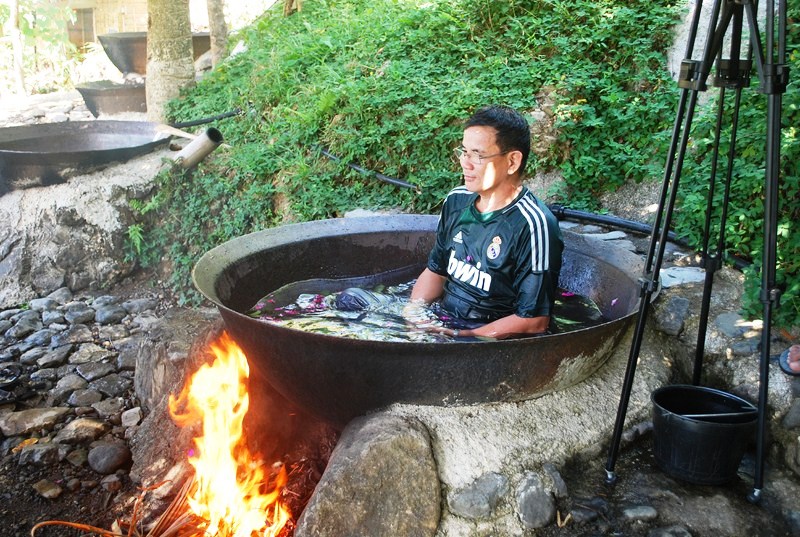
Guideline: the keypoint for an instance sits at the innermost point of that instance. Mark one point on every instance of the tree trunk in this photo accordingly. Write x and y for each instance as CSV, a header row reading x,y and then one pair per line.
x,y
218,29
170,63
17,48
290,6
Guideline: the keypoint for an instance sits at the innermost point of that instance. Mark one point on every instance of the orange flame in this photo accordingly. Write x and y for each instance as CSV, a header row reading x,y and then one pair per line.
x,y
229,482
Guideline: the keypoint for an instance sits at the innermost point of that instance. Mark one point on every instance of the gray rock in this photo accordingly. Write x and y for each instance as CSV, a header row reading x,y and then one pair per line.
x,y
66,385
77,457
731,324
25,325
45,373
42,304
746,347
39,455
4,326
792,418
62,295
47,489
479,498
51,317
670,314
31,420
41,337
674,276
32,356
75,334
108,457
139,305
536,506
109,407
81,430
8,314
794,523
559,486
126,360
95,370
79,313
608,236
56,117
112,385
384,471
55,357
131,417
90,353
80,398
639,513
113,332
110,314
104,301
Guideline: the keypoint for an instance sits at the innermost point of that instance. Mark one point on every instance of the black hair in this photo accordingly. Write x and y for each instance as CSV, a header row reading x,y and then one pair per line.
x,y
512,132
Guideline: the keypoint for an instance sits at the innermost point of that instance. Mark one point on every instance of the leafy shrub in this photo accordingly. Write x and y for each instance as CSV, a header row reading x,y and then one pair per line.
x,y
386,84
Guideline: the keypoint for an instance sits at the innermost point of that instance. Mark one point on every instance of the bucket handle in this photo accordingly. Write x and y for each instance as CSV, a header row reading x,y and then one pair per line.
x,y
719,415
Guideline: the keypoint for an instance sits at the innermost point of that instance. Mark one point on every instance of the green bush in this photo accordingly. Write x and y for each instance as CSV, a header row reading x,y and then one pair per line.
x,y
386,84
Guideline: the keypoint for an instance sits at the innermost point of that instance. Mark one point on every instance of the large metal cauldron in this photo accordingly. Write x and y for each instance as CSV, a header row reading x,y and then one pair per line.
x,y
128,50
337,379
46,154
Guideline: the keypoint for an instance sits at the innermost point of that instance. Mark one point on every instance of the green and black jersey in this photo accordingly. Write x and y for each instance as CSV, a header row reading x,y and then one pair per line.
x,y
500,263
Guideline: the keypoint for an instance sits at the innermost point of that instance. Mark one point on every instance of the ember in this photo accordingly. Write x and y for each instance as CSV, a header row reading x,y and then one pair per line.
x,y
230,486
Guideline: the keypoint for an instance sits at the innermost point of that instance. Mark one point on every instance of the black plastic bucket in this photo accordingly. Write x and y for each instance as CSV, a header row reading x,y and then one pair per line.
x,y
700,434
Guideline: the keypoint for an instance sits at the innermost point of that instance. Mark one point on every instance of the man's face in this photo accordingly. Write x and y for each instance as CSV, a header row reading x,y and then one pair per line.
x,y
484,164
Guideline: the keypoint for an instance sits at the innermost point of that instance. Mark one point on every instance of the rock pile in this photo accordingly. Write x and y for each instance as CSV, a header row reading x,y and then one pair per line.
x,y
67,390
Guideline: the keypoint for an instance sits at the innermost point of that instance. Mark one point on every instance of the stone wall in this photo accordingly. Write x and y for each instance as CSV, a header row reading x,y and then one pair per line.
x,y
70,234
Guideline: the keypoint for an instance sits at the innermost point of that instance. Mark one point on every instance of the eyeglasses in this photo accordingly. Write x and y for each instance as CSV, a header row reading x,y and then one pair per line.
x,y
473,158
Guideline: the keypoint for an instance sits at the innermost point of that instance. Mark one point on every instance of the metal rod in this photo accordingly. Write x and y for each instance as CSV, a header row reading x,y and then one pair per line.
x,y
720,415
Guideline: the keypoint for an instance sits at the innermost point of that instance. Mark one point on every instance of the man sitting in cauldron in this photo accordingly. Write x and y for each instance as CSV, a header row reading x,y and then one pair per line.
x,y
495,265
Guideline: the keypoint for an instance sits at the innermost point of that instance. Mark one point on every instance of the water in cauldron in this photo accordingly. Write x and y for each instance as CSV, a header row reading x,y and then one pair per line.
x,y
376,313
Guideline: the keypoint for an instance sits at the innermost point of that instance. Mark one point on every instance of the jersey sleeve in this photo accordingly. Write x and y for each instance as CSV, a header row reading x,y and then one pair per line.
x,y
534,290
437,259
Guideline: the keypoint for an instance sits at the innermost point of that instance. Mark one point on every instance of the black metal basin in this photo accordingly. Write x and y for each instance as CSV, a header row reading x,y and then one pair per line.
x,y
46,154
107,97
128,50
337,379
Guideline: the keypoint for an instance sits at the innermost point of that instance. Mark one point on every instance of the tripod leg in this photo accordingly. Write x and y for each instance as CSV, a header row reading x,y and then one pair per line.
x,y
774,79
650,280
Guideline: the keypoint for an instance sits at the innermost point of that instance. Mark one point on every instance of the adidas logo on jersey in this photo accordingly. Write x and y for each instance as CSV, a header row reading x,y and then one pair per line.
x,y
458,238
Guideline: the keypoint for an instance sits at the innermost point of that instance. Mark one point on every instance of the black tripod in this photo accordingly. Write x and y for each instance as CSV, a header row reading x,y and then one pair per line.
x,y
732,73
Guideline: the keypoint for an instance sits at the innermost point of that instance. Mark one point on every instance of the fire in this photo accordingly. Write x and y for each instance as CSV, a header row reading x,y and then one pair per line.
x,y
229,490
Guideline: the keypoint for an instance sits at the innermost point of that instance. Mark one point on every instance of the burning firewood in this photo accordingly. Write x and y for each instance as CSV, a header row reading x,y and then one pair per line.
x,y
231,494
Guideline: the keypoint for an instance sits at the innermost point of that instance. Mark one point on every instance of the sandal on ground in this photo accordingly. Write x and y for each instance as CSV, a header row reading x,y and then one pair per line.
x,y
783,361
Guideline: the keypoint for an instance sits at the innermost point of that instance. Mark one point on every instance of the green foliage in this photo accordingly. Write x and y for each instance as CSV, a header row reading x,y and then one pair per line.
x,y
744,229
47,51
387,84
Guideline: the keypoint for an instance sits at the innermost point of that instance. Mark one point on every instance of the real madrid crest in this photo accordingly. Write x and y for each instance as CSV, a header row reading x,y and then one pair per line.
x,y
494,249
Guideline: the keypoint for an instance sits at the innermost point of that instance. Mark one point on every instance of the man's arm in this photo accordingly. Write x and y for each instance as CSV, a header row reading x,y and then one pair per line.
x,y
510,326
429,287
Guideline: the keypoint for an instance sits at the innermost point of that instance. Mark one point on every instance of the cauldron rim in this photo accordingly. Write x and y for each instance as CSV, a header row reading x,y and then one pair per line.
x,y
336,378
201,283
78,127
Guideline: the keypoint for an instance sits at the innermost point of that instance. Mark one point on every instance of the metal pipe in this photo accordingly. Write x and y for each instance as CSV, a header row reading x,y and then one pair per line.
x,y
199,148
203,121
